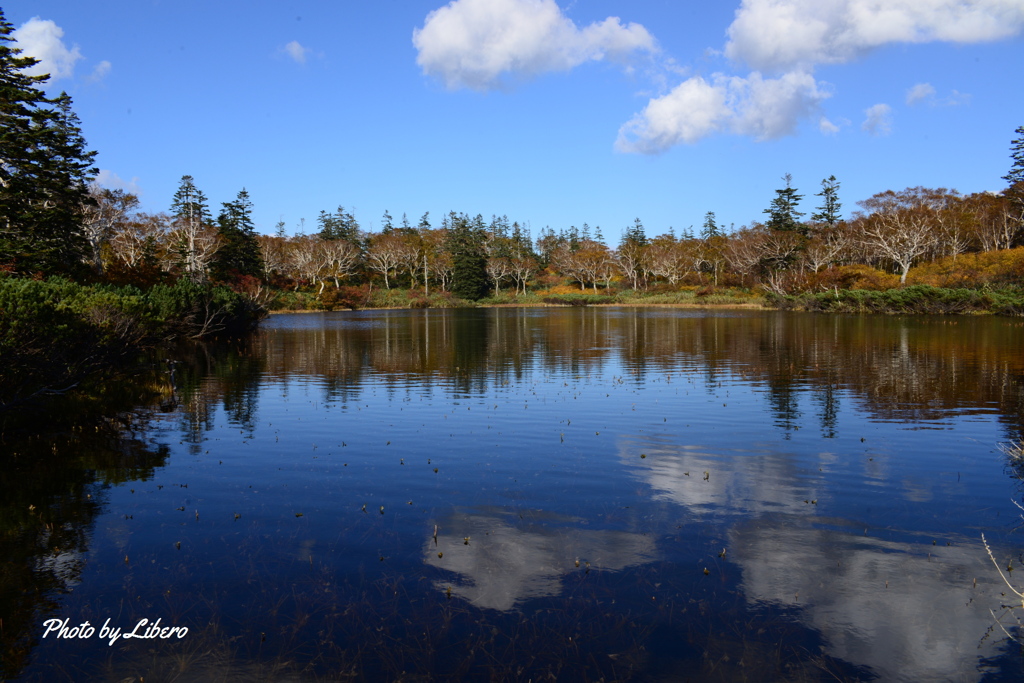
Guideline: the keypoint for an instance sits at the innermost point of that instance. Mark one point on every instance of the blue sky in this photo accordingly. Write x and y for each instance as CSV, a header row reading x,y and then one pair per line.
x,y
559,114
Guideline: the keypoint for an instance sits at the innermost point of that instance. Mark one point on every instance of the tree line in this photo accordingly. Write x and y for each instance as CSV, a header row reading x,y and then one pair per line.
x,y
472,257
54,219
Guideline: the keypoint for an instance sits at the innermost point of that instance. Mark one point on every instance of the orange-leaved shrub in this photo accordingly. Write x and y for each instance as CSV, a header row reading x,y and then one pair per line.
x,y
853,276
998,267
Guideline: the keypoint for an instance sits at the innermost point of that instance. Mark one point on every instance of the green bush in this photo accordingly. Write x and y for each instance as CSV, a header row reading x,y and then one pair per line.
x,y
579,299
916,299
56,334
193,310
290,300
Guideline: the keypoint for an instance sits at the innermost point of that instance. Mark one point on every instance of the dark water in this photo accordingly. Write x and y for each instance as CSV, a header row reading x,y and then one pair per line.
x,y
620,493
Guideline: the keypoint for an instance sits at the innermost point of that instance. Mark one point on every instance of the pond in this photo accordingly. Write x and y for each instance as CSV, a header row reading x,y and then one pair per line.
x,y
514,494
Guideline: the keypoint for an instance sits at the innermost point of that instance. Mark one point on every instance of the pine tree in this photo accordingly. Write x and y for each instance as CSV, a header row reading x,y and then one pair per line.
x,y
632,253
45,171
348,228
239,253
635,234
1016,174
193,242
189,203
1015,178
710,228
783,213
828,212
341,225
466,245
329,228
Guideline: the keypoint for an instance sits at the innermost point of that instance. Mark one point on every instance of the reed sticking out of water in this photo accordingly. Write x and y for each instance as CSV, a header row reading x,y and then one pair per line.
x,y
1009,608
1013,450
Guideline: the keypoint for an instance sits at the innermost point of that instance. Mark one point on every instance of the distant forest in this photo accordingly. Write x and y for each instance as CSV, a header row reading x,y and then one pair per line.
x,y
55,220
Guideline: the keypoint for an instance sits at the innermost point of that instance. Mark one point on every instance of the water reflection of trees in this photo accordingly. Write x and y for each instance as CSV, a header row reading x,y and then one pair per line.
x,y
54,488
920,369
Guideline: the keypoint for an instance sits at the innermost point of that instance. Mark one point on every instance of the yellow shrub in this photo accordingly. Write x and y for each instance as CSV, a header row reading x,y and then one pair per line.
x,y
560,289
1004,266
856,276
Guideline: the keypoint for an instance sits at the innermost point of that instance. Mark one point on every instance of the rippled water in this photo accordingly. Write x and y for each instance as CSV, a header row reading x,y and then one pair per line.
x,y
510,493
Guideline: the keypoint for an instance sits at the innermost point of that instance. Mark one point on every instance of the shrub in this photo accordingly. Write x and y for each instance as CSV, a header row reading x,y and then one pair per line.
x,y
290,300
343,297
916,299
1000,268
192,310
578,299
54,334
853,276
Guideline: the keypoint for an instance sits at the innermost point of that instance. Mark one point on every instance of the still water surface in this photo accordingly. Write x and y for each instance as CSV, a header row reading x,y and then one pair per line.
x,y
635,494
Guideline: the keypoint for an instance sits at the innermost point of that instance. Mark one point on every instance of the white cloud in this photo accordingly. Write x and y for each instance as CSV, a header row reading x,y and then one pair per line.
x,y
786,34
919,93
483,44
692,111
956,99
112,181
296,51
879,119
41,38
924,92
771,108
100,72
756,106
827,127
792,38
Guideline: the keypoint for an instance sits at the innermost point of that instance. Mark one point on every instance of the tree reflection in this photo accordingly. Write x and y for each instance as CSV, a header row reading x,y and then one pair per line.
x,y
54,489
906,368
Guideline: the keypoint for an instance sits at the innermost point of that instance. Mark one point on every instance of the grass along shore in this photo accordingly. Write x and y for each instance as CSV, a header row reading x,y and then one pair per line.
x,y
915,299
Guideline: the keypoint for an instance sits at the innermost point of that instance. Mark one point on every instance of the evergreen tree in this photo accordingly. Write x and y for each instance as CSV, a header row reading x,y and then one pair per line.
x,y
572,237
499,226
710,228
424,221
522,241
239,252
348,227
635,234
189,203
783,213
386,225
340,225
469,261
828,212
547,243
1016,174
194,246
1015,178
632,253
329,227
45,171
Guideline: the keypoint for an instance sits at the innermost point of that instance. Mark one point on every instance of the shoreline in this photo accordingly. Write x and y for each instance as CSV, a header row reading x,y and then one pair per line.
x,y
736,306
